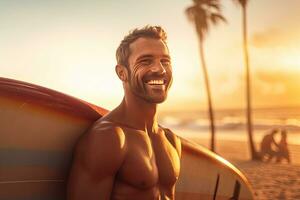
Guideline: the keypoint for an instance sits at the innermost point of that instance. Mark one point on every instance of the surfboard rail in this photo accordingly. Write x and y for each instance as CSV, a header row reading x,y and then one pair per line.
x,y
46,97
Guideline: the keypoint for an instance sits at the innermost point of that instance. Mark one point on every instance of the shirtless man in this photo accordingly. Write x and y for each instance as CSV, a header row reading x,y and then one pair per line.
x,y
267,145
126,154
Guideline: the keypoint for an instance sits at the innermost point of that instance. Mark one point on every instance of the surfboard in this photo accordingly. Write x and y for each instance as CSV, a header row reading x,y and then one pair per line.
x,y
39,128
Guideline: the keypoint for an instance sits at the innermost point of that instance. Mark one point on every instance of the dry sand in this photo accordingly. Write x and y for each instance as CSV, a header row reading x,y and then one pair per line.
x,y
270,181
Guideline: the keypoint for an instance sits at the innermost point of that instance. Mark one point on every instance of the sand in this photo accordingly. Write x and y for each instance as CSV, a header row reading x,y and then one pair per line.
x,y
270,181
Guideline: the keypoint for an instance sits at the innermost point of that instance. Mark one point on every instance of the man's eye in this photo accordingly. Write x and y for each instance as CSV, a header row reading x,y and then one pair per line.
x,y
165,62
145,62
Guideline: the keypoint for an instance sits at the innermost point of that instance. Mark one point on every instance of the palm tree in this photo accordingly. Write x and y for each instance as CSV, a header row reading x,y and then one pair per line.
x,y
204,13
254,154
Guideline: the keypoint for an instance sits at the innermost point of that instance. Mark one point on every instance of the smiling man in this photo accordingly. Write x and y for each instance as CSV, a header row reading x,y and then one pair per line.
x,y
127,154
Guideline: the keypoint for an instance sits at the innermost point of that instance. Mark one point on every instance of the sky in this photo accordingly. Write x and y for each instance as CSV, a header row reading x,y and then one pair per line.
x,y
70,46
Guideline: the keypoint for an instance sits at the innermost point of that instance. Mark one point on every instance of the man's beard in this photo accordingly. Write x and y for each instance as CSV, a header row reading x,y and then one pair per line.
x,y
140,89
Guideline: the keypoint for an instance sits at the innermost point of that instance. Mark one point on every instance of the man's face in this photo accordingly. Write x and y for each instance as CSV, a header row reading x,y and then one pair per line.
x,y
150,70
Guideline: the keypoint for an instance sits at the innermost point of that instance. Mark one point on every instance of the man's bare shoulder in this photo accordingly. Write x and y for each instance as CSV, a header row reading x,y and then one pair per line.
x,y
103,143
105,126
102,131
173,138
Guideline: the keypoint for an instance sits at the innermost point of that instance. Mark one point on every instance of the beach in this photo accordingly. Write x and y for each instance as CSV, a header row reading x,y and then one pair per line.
x,y
270,181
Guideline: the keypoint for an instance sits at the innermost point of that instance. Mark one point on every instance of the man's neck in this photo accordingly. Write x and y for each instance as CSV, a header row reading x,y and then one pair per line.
x,y
139,114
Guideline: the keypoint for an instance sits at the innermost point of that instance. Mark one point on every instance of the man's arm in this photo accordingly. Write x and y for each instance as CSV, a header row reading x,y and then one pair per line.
x,y
97,158
274,142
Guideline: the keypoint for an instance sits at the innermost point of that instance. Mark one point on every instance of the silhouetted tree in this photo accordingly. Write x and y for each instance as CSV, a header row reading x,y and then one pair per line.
x,y
204,13
243,4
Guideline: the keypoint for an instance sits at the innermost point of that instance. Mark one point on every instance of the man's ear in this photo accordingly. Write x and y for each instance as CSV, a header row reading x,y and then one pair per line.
x,y
122,72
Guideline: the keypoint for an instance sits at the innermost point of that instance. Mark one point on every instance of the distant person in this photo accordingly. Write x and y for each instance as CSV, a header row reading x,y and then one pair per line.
x,y
267,151
283,151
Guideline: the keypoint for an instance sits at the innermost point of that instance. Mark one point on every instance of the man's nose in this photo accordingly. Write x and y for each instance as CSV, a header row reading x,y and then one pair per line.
x,y
158,68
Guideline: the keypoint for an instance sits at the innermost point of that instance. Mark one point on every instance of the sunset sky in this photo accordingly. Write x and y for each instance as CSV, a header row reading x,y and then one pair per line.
x,y
70,46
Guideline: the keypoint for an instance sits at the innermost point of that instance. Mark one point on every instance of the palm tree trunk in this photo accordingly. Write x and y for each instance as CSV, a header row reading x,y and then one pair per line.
x,y
254,154
210,109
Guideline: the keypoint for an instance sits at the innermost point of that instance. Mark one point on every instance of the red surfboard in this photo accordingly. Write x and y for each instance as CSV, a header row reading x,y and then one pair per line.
x,y
39,128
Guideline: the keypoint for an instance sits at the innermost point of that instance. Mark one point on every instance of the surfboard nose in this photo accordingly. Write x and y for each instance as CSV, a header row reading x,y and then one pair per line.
x,y
205,175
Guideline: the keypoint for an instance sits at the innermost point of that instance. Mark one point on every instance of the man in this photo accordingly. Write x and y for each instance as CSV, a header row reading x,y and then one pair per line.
x,y
267,151
126,154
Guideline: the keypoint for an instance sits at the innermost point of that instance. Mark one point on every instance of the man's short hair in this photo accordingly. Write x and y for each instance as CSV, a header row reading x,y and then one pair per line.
x,y
123,51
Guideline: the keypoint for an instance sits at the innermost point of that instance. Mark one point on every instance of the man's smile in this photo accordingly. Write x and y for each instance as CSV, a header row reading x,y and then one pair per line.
x,y
156,82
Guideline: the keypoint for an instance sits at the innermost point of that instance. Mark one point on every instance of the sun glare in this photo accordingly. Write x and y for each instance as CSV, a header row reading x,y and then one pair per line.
x,y
291,61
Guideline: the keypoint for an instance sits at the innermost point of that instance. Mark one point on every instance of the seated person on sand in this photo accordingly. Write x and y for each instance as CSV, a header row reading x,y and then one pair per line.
x,y
283,152
267,151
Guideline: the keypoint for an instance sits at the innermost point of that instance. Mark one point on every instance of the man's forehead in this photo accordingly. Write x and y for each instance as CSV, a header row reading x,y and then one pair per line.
x,y
148,46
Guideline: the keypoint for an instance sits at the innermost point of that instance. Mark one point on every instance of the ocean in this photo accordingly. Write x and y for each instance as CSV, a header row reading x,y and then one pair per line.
x,y
231,123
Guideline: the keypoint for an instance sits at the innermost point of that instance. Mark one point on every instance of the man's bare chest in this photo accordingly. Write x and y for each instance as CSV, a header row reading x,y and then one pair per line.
x,y
150,161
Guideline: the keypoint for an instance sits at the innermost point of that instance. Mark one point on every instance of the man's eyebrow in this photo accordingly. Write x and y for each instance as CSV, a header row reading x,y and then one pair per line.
x,y
144,56
167,56
151,56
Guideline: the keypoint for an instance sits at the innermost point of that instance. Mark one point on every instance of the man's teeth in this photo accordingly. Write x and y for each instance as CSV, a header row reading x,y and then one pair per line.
x,y
156,82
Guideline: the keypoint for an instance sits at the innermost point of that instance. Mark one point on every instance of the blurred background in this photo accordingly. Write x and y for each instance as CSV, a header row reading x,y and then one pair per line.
x,y
70,46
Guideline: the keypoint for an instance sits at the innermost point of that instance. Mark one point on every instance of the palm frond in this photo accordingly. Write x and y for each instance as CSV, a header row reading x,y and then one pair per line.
x,y
190,12
204,13
217,7
216,18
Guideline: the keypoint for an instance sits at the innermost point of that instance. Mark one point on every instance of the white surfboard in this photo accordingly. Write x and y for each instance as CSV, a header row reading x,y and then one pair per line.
x,y
38,131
